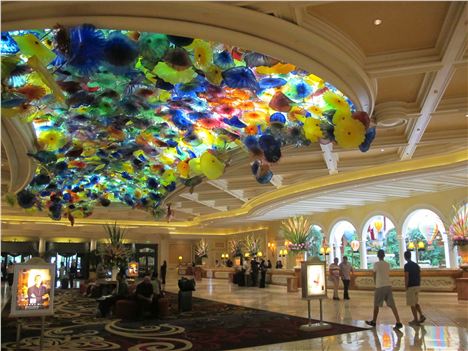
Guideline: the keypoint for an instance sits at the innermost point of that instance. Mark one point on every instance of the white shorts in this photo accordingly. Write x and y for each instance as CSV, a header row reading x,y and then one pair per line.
x,y
412,295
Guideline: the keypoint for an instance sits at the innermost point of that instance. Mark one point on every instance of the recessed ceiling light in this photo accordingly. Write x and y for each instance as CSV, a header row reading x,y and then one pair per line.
x,y
377,22
382,150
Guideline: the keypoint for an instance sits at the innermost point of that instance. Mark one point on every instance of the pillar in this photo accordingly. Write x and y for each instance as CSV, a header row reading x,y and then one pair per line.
x,y
93,245
42,247
401,249
449,258
363,252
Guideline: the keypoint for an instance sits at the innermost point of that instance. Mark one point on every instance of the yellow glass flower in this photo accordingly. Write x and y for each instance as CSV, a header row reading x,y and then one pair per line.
x,y
52,140
314,81
315,110
214,75
312,129
279,68
349,133
336,101
170,75
341,116
203,56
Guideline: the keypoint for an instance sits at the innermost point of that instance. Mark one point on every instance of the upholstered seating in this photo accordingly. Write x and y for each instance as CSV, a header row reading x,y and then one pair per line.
x,y
125,309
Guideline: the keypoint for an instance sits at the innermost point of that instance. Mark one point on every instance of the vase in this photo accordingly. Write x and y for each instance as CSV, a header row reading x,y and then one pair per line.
x,y
300,257
463,253
115,271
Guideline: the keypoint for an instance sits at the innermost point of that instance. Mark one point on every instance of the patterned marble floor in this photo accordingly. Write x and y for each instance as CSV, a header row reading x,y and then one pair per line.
x,y
445,327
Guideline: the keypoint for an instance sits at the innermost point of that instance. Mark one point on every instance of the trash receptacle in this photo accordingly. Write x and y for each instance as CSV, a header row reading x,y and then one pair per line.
x,y
185,301
292,284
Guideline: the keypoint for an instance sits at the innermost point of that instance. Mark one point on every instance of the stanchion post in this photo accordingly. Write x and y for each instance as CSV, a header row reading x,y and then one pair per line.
x,y
41,342
18,332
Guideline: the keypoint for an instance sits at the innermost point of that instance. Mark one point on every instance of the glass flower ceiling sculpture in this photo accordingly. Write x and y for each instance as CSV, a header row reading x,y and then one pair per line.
x,y
124,116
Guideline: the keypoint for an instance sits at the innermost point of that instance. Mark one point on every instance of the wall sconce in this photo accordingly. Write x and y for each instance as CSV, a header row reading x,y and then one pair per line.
x,y
272,246
259,254
180,258
421,246
411,246
325,250
222,256
283,253
247,255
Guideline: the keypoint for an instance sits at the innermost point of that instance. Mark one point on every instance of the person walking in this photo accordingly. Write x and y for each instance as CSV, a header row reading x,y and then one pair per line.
x,y
345,273
334,271
10,273
383,290
63,276
412,284
72,273
163,273
263,271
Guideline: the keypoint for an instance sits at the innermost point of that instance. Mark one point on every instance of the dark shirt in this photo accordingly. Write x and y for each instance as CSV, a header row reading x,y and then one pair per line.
x,y
122,290
145,290
38,293
414,276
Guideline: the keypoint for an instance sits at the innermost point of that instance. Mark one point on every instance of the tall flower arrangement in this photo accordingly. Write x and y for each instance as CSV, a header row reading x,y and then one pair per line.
x,y
252,244
114,253
201,250
458,228
296,231
236,247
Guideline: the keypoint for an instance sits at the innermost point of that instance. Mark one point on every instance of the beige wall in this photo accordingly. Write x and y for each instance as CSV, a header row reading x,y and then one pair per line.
x,y
179,248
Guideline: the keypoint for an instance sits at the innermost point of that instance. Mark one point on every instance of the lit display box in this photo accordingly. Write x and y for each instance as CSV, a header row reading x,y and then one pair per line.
x,y
33,290
314,282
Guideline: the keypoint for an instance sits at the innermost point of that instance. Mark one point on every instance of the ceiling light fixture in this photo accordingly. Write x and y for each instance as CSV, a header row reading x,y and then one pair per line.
x,y
382,150
377,22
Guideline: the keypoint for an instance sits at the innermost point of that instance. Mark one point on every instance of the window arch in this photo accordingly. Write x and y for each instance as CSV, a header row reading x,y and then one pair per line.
x,y
316,241
341,236
424,233
379,232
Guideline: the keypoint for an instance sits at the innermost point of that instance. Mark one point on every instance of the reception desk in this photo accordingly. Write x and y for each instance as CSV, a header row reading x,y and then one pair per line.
x,y
436,280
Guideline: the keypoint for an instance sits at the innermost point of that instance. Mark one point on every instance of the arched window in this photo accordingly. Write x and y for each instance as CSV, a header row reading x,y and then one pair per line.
x,y
316,241
341,236
424,234
379,233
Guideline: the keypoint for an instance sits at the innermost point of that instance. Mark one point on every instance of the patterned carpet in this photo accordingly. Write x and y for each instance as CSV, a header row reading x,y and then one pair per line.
x,y
209,326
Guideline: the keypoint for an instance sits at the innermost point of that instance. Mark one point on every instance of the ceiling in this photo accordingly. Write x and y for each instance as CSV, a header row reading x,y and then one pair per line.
x,y
417,62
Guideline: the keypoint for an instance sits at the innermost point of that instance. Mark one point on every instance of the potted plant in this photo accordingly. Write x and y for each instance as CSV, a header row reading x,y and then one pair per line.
x,y
115,255
458,231
235,248
201,251
252,245
296,231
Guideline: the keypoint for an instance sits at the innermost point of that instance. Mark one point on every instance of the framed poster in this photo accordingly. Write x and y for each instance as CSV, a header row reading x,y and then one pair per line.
x,y
132,269
33,290
314,282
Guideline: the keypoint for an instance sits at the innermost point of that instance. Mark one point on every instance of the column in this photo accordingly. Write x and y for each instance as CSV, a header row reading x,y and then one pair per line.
x,y
93,245
42,247
402,249
363,251
449,256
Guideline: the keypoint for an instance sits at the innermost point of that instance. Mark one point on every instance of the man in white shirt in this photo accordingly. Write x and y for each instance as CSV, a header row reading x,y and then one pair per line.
x,y
383,290
334,271
345,274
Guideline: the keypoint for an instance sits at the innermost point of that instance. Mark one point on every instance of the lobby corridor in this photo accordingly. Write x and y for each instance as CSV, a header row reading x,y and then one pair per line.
x,y
444,329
